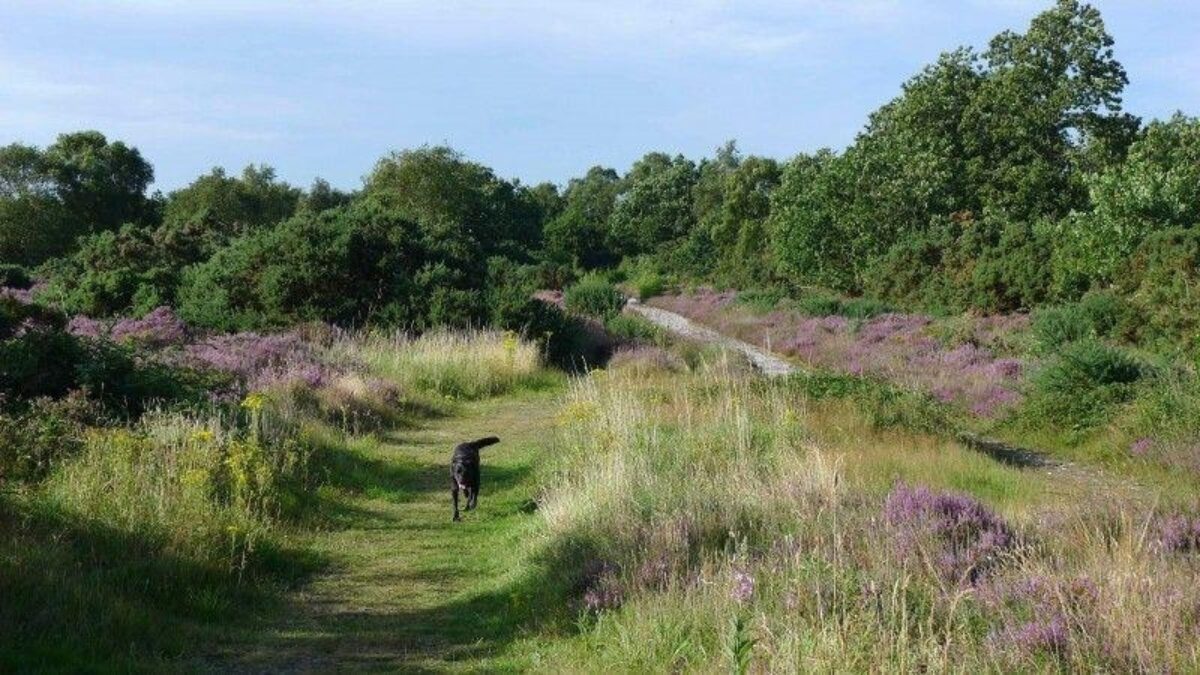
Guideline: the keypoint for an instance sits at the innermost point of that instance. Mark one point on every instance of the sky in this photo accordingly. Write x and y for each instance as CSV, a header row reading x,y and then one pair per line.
x,y
538,90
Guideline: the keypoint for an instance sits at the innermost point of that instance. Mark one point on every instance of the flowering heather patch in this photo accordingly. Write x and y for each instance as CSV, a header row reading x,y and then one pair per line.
x,y
22,295
1040,608
1141,447
957,535
260,360
601,587
700,304
1178,534
159,328
900,347
1043,633
743,586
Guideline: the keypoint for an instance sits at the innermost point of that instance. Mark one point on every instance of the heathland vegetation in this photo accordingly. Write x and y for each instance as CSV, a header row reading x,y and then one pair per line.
x,y
225,410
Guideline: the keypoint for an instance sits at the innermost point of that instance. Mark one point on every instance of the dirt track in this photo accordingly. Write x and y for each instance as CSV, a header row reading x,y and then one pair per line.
x,y
766,362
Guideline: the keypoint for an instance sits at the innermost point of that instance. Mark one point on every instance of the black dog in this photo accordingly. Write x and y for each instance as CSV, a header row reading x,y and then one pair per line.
x,y
464,471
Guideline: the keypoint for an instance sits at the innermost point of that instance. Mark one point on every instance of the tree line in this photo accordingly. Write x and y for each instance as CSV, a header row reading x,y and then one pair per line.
x,y
998,179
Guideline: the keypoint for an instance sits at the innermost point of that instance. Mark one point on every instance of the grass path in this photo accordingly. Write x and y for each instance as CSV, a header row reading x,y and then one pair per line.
x,y
407,589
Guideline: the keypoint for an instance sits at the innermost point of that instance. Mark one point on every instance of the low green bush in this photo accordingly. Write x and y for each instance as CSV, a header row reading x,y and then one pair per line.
x,y
595,297
1078,388
1099,314
633,329
36,437
1161,281
648,285
760,300
14,276
827,304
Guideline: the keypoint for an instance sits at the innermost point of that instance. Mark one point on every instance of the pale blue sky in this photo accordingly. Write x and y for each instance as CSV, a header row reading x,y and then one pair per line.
x,y
538,90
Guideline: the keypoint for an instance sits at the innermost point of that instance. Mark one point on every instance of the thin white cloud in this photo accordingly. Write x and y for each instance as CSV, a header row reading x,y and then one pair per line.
x,y
149,101
612,27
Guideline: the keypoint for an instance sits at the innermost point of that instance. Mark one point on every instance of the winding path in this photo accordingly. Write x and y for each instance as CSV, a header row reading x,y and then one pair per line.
x,y
764,361
773,365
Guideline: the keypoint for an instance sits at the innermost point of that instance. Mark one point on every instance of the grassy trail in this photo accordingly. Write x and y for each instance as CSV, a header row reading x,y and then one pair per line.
x,y
407,589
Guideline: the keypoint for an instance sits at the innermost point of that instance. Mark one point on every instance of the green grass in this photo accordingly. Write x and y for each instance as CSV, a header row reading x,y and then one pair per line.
x,y
406,588
709,473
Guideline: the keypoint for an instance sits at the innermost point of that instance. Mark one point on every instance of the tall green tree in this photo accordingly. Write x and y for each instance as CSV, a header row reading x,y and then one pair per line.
x,y
80,184
578,234
202,217
462,206
34,224
810,236
1050,101
1156,188
655,206
101,183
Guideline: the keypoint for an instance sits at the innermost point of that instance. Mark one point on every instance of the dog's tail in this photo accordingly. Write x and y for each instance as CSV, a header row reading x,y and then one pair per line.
x,y
484,442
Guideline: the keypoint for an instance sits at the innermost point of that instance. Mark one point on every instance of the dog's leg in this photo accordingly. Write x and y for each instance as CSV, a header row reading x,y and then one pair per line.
x,y
471,498
454,497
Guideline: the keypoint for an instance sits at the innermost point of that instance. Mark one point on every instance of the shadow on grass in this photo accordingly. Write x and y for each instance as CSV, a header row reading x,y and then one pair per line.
x,y
79,596
403,479
473,627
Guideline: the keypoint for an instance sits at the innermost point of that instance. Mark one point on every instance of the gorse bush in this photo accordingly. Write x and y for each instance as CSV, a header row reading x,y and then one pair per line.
x,y
648,285
822,304
1161,283
1099,314
760,300
594,296
1082,382
627,328
37,436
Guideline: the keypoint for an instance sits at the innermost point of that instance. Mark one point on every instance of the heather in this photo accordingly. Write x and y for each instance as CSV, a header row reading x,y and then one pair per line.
x,y
714,520
974,369
1068,386
226,407
137,531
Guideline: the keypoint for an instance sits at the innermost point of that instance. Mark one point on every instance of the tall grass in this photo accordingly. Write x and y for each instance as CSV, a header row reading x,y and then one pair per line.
x,y
119,542
719,522
463,365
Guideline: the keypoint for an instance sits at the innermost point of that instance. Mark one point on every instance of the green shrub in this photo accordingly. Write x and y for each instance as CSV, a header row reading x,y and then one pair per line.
x,y
825,304
648,285
1079,387
40,362
561,337
595,297
344,266
1161,281
760,300
129,271
1099,314
34,439
38,358
634,329
14,276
